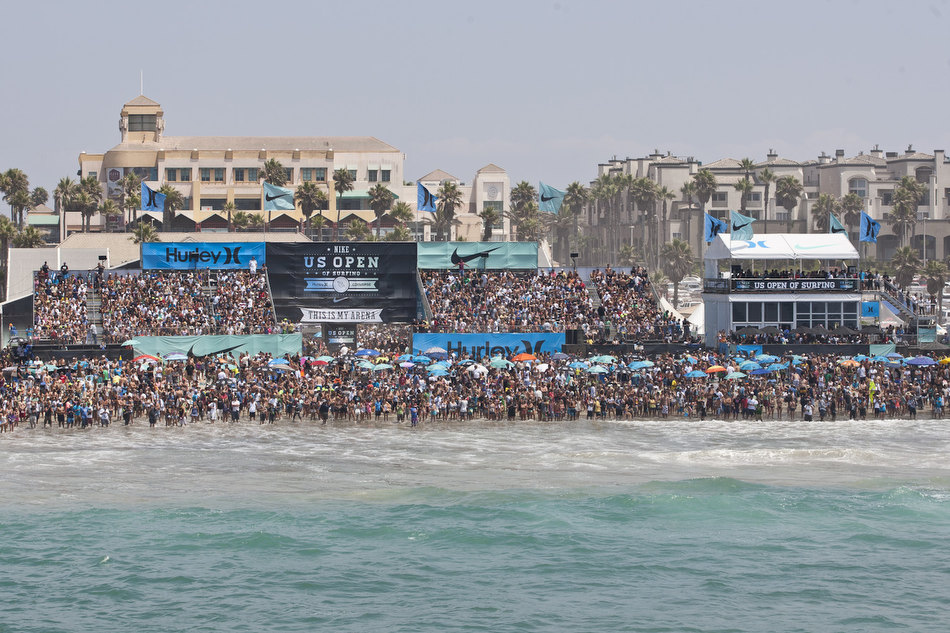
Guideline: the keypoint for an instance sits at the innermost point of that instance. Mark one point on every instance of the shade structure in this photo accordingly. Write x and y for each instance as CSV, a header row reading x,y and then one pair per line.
x,y
783,246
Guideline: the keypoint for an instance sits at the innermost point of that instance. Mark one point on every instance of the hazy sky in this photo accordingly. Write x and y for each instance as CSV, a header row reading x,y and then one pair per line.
x,y
544,89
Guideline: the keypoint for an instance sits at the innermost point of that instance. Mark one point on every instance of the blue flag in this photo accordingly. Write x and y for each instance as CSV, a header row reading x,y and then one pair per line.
x,y
713,227
835,225
277,198
549,198
869,228
741,226
871,309
152,200
425,201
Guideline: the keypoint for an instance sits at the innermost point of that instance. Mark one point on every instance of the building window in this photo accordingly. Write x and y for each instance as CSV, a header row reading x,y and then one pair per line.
x,y
141,123
352,174
887,197
93,174
212,174
245,174
320,174
385,175
184,174
247,204
371,175
219,174
289,175
205,174
306,174
858,186
213,204
719,199
239,174
171,174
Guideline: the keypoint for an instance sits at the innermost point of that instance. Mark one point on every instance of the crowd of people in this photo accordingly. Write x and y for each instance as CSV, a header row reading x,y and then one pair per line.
x,y
505,301
630,310
59,307
349,389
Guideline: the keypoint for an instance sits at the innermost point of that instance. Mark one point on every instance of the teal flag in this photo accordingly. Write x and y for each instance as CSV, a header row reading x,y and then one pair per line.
x,y
278,198
741,226
835,225
549,198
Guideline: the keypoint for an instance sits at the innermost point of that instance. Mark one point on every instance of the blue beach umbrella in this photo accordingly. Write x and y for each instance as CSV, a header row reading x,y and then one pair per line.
x,y
640,364
421,359
894,356
606,359
921,361
749,365
579,364
766,358
500,363
777,366
404,358
367,352
760,372
382,366
696,374
597,369
735,375
559,356
438,372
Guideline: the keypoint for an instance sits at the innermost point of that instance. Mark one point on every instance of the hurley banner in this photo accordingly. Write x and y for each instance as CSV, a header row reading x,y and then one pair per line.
x,y
213,345
199,255
480,255
358,277
481,345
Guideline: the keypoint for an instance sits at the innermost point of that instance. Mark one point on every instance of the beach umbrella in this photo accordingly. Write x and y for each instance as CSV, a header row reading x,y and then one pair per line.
x,y
477,368
542,367
606,359
696,374
559,356
640,364
579,364
945,360
365,364
597,369
777,366
438,371
894,356
861,357
404,358
407,365
885,359
382,366
320,362
421,359
749,365
921,361
523,356
284,366
146,358
501,363
327,359
848,362
715,369
766,358
760,372
175,356
734,375
366,352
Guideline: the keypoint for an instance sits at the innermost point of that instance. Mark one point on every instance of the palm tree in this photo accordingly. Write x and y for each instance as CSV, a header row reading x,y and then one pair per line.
x,y
30,237
273,172
310,197
575,197
935,272
144,232
63,193
748,166
688,191
644,193
903,216
906,264
664,195
242,220
677,263
824,206
88,199
12,183
450,198
38,196
560,226
173,201
522,194
380,201
317,222
402,215
628,256
131,194
490,217
255,222
8,232
527,222
787,192
230,208
400,233
744,187
19,202
851,206
357,231
706,186
342,182
767,177
107,208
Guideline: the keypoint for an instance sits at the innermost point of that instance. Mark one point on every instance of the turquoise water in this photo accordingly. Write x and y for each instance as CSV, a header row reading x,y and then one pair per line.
x,y
481,528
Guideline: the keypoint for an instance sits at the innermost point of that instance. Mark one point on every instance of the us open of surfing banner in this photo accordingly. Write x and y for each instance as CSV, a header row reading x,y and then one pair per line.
x,y
200,255
337,279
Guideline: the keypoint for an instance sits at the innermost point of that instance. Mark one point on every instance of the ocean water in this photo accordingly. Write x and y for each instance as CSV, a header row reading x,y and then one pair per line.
x,y
473,526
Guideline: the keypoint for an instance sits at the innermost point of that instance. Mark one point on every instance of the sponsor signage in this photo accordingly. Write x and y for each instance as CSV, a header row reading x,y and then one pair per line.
x,y
337,336
480,255
795,285
197,255
214,345
342,315
344,276
480,345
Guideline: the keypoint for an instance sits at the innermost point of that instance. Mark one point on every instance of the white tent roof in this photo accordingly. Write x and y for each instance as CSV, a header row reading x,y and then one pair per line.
x,y
783,246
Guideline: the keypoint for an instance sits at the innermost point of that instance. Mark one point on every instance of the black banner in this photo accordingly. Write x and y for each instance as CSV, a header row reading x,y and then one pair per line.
x,y
337,335
344,275
796,285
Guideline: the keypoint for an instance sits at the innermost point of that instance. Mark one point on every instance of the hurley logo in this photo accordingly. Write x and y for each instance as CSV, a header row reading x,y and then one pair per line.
x,y
230,256
152,203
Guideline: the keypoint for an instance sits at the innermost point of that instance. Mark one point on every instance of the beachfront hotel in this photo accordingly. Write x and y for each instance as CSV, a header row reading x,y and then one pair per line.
x,y
210,171
873,176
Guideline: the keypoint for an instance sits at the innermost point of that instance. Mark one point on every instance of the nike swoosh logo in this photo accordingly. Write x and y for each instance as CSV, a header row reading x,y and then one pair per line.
x,y
741,226
811,248
339,299
545,198
838,231
191,351
456,258
270,198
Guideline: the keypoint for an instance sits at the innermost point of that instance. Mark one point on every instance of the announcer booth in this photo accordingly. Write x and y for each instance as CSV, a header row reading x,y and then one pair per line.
x,y
781,292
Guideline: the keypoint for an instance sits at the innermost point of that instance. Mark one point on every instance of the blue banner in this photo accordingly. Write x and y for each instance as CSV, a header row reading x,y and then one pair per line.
x,y
198,255
871,309
869,228
425,201
713,227
481,345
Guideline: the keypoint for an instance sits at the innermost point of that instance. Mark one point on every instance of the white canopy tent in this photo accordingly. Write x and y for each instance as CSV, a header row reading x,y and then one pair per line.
x,y
783,246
